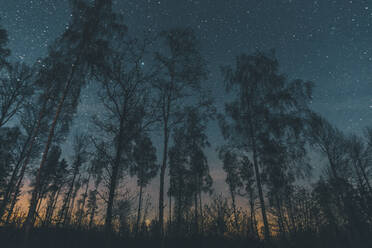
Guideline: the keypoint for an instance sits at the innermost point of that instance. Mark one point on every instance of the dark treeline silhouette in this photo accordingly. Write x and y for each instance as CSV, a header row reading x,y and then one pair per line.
x,y
277,196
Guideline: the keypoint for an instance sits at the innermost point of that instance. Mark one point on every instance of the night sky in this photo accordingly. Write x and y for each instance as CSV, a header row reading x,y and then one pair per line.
x,y
327,42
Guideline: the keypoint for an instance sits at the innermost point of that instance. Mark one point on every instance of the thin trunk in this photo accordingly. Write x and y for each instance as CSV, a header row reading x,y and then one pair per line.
x,y
27,158
29,222
260,194
91,217
80,217
113,182
179,208
291,215
12,205
49,207
162,175
139,210
234,210
145,213
52,206
166,112
39,204
201,214
258,176
196,213
170,210
70,210
280,217
66,202
252,213
12,181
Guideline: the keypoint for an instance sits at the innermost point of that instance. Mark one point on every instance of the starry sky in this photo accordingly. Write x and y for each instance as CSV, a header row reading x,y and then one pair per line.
x,y
327,42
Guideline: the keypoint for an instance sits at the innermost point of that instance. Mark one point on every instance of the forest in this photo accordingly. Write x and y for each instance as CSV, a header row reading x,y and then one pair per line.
x,y
269,129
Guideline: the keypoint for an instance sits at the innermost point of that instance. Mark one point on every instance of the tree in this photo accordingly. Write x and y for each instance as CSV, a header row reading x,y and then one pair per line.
x,y
82,202
15,89
33,126
360,158
81,47
79,158
189,171
231,166
247,175
144,167
181,71
57,184
332,143
98,165
47,175
8,141
266,110
125,98
239,177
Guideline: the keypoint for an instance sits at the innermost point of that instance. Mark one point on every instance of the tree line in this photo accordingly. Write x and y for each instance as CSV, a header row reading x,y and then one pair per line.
x,y
157,84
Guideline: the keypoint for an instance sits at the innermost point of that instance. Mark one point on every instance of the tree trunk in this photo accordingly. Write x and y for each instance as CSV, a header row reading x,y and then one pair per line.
x,y
70,210
139,210
162,175
260,194
51,207
113,183
259,184
258,175
66,201
280,217
91,217
291,215
170,211
12,181
80,217
27,158
196,213
28,224
234,210
179,208
201,214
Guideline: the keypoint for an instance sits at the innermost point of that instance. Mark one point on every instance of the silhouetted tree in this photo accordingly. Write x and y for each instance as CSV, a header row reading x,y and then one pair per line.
x,y
15,88
359,153
267,109
125,98
231,165
8,141
189,171
181,70
338,189
247,175
81,47
56,187
81,214
144,167
47,175
33,124
80,157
